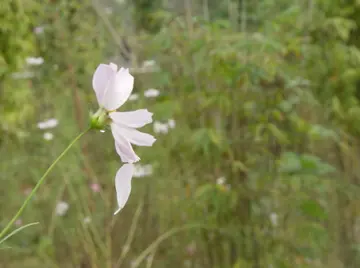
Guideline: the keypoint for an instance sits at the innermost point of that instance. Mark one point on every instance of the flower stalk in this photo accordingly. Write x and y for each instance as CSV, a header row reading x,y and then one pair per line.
x,y
39,183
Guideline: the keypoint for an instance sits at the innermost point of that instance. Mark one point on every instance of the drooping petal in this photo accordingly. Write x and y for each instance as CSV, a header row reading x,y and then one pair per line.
x,y
123,146
138,138
134,119
118,90
123,185
101,78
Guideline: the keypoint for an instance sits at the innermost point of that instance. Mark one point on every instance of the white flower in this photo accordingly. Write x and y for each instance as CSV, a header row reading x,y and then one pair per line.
x,y
160,127
39,30
142,170
171,123
149,64
220,181
87,220
34,61
50,123
23,75
133,97
151,93
112,89
123,185
48,136
108,10
274,218
61,208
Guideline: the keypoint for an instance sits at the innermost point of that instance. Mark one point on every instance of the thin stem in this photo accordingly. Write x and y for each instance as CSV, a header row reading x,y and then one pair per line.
x,y
3,232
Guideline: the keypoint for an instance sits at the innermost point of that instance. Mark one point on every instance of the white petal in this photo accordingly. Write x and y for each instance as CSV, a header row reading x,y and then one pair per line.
x,y
113,66
123,185
118,90
138,138
134,119
123,146
101,78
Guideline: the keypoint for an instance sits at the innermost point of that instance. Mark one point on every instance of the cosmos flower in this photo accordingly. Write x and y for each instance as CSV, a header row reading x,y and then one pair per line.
x,y
113,88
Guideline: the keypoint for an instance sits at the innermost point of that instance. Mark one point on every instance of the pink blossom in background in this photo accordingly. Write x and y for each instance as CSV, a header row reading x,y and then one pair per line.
x,y
95,187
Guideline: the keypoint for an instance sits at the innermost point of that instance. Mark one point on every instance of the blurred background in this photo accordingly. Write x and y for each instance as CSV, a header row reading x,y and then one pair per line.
x,y
256,114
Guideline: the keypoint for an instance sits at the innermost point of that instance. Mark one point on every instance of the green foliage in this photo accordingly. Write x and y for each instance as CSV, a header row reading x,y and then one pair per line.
x,y
265,95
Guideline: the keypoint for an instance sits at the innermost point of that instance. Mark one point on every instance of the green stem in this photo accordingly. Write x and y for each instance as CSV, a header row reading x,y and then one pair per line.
x,y
3,232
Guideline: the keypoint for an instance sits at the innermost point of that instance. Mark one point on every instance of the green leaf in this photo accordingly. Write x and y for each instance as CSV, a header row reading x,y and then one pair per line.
x,y
314,165
289,163
312,209
278,134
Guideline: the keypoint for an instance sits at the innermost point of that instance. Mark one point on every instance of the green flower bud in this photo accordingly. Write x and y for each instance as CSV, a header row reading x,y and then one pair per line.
x,y
99,120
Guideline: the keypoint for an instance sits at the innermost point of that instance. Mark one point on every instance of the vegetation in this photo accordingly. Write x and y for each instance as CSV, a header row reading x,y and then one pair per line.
x,y
260,170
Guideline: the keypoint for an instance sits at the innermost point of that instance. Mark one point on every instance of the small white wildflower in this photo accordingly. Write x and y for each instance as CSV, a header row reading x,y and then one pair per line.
x,y
274,218
149,64
171,123
133,97
151,93
34,60
39,30
160,127
220,181
50,123
48,136
108,10
142,170
87,220
61,208
23,75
